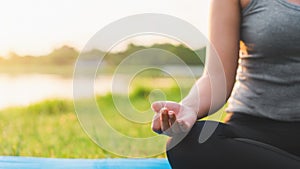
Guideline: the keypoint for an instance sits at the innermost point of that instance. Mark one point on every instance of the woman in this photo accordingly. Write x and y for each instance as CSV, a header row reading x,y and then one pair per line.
x,y
263,86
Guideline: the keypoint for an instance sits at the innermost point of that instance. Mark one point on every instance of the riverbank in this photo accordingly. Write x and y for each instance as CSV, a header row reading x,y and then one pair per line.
x,y
51,129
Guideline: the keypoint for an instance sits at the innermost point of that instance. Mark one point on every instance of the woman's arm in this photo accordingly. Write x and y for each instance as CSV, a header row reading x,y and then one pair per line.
x,y
222,62
220,69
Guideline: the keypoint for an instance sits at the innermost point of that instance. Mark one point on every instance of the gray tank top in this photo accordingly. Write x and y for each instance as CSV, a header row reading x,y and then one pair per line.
x,y
268,76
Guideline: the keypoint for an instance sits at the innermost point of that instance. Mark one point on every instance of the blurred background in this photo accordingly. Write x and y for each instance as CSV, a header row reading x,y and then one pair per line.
x,y
40,41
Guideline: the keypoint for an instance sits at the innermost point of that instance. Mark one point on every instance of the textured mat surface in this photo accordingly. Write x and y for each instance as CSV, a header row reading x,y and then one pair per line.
x,y
8,162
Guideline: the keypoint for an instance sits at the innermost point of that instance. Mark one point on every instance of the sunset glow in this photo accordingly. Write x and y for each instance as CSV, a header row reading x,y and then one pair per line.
x,y
37,26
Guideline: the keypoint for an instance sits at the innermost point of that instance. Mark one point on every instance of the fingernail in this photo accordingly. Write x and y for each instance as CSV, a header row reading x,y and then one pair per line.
x,y
180,122
164,110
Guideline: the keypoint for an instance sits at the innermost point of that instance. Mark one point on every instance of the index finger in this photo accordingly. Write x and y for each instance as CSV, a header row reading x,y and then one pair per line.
x,y
158,105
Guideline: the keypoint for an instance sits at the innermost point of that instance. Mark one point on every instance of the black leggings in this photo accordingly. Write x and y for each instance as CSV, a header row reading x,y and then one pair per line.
x,y
244,142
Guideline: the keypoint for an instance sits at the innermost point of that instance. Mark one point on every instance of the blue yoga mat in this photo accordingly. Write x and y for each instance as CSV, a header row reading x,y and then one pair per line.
x,y
8,162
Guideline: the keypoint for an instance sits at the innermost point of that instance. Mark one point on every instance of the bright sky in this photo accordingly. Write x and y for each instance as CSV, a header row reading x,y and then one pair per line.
x,y
38,26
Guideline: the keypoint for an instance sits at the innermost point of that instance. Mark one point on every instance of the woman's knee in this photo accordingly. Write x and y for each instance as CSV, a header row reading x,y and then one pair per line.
x,y
182,150
191,139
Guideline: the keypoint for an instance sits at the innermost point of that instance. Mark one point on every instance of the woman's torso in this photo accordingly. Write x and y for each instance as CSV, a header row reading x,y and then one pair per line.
x,y
268,77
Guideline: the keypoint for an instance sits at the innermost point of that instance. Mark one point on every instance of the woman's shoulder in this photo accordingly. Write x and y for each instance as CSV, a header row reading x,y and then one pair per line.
x,y
241,3
244,3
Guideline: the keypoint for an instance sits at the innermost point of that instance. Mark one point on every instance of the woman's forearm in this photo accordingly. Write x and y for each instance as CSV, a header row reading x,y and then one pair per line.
x,y
206,98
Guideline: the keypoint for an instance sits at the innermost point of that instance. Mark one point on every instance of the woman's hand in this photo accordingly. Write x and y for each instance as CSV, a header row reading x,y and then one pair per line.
x,y
172,118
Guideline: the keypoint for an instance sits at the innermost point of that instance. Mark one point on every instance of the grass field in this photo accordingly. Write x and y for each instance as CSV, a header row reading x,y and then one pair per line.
x,y
51,128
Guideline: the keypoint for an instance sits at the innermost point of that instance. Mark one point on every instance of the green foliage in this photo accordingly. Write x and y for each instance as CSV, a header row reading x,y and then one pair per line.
x,y
187,55
141,92
51,107
62,60
62,56
59,61
44,135
51,129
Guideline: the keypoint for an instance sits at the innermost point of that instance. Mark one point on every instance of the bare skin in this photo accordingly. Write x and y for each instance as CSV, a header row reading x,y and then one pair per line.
x,y
297,2
173,118
244,3
224,35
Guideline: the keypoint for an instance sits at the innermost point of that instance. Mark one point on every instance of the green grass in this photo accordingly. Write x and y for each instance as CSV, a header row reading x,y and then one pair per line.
x,y
51,128
45,130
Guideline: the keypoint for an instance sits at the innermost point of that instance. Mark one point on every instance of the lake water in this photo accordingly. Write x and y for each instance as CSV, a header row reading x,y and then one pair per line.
x,y
20,90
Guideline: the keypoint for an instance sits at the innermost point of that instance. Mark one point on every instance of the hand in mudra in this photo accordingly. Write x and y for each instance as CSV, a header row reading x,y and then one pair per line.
x,y
172,118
